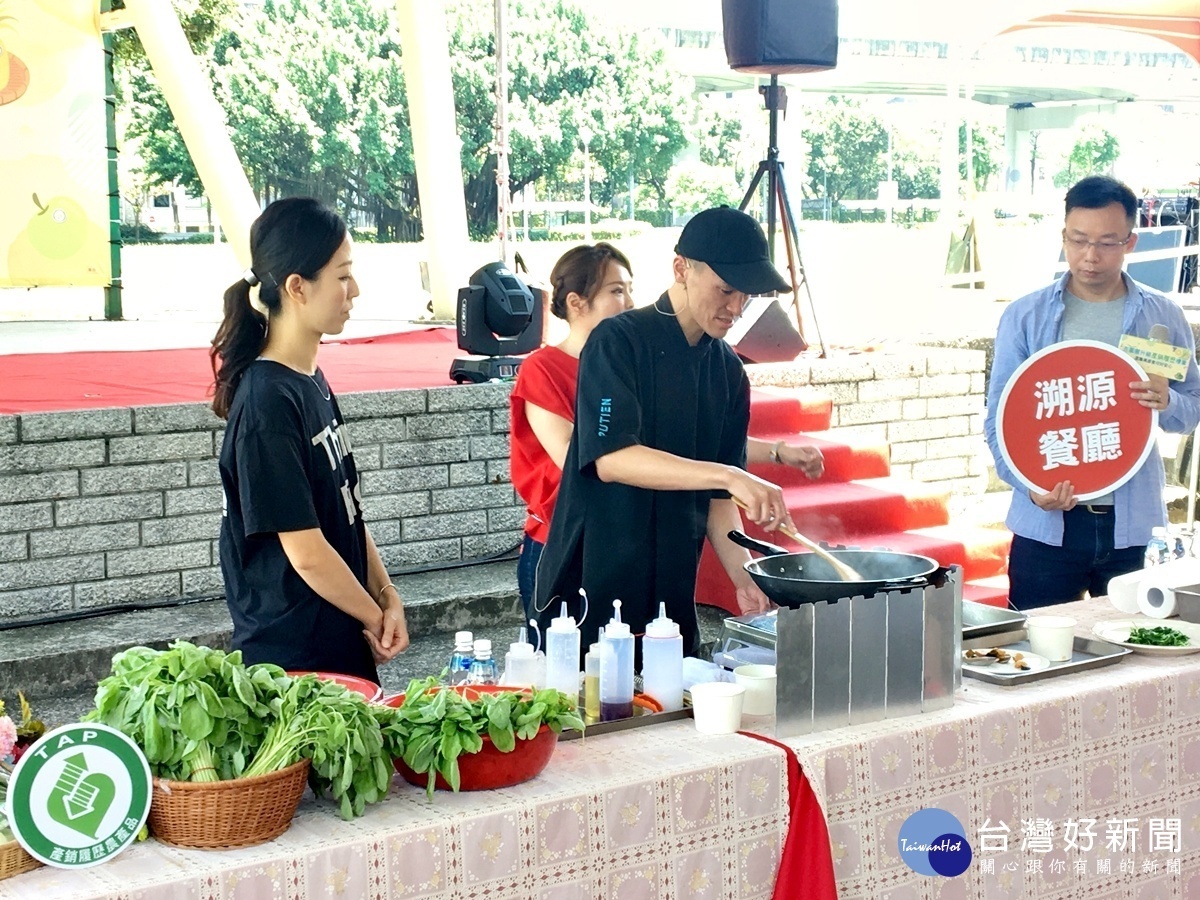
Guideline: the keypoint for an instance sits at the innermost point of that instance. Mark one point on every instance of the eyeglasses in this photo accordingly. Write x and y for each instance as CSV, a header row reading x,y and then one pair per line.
x,y
1082,244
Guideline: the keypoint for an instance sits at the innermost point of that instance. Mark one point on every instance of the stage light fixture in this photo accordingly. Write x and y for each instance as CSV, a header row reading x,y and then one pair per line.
x,y
499,318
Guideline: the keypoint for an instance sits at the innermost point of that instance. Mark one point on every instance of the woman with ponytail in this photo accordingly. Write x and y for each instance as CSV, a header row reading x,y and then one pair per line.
x,y
589,284
305,584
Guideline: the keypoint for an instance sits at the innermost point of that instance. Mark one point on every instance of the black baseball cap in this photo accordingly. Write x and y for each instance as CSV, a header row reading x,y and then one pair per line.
x,y
734,246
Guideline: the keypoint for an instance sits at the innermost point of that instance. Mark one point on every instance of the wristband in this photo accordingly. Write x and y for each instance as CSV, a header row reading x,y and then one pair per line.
x,y
774,455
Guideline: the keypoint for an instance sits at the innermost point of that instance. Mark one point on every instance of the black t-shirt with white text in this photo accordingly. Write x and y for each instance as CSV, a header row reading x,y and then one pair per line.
x,y
286,465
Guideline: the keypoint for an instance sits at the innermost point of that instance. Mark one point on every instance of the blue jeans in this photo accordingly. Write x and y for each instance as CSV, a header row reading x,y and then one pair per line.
x,y
1042,575
527,563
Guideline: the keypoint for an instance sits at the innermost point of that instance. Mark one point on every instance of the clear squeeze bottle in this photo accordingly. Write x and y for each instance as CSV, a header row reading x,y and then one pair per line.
x,y
520,663
562,654
483,668
591,684
460,660
616,669
662,661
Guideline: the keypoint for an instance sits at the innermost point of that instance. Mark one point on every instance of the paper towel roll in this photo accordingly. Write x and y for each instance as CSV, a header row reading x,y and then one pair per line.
x,y
1156,590
1123,590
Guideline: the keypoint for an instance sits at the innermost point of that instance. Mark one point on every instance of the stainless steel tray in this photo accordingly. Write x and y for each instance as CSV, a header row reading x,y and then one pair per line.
x,y
1089,653
640,719
979,619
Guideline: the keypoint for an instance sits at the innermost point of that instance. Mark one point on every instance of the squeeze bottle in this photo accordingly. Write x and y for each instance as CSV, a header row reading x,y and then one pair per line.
x,y
520,663
591,684
562,654
616,669
662,661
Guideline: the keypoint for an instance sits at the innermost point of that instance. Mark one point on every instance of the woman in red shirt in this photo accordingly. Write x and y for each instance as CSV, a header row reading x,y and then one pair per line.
x,y
589,284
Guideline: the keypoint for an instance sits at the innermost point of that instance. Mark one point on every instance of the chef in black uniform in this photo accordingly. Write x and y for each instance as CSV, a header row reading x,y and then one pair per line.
x,y
659,445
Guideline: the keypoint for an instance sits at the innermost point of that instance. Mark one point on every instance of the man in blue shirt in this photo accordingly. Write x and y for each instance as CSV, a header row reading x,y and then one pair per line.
x,y
1061,547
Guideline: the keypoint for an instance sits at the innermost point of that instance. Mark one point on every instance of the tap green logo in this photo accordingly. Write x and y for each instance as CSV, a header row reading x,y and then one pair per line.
x,y
79,795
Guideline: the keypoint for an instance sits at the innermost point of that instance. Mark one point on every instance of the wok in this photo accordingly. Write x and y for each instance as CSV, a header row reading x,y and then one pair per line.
x,y
790,579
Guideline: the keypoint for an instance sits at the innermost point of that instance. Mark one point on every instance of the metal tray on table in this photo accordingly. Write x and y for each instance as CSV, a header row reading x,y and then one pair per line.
x,y
979,619
1089,653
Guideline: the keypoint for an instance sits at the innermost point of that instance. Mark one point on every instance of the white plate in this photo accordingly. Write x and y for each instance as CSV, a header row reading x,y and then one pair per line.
x,y
1117,632
1035,661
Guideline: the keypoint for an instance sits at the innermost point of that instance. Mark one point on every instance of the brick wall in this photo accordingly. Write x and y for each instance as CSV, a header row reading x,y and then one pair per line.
x,y
109,506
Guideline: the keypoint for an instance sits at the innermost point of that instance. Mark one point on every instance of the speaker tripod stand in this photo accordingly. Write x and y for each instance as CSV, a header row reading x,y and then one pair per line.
x,y
775,98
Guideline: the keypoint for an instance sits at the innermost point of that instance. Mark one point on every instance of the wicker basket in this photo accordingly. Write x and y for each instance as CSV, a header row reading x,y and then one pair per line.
x,y
221,815
14,860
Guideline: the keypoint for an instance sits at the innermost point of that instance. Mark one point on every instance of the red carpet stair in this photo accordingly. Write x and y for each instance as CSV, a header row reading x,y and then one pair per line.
x,y
858,503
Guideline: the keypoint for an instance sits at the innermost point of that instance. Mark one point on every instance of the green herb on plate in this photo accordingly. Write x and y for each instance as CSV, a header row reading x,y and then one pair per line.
x,y
1159,636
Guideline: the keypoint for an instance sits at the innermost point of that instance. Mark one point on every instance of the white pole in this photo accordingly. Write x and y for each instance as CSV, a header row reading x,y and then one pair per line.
x,y
503,199
585,135
436,146
200,119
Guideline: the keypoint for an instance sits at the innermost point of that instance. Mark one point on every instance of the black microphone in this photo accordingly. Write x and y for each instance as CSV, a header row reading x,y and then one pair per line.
x,y
1159,333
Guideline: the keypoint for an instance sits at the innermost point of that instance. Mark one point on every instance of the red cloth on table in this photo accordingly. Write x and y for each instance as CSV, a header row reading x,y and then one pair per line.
x,y
806,863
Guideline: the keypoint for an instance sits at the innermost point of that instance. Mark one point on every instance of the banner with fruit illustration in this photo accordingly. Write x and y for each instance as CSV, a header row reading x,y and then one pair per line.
x,y
53,169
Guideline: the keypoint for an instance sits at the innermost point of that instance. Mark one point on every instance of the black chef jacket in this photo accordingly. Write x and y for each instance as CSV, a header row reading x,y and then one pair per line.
x,y
640,382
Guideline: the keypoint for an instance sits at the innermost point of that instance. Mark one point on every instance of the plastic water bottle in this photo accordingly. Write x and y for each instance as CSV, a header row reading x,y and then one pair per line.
x,y
483,668
562,654
460,660
520,663
616,669
591,684
662,661
1156,550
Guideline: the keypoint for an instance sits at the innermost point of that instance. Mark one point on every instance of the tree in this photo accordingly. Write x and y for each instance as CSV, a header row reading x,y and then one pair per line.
x,y
847,150
566,72
1093,154
695,186
147,137
986,143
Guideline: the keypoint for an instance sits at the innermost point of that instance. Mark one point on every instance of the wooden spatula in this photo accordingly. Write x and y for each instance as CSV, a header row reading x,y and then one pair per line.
x,y
844,572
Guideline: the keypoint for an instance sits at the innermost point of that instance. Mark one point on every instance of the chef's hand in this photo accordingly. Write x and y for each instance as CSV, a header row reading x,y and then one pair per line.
x,y
1152,394
808,460
393,637
1062,496
751,599
762,501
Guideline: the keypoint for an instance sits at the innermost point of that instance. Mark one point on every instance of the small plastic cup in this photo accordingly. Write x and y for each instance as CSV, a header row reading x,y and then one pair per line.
x,y
759,682
717,707
1051,636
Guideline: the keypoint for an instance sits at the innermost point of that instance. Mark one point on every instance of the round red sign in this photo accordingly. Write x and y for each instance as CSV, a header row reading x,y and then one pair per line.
x,y
1067,415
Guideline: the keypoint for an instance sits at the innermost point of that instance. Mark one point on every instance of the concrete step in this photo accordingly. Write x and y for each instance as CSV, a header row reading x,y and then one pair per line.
x,y
788,410
841,512
847,458
65,656
482,599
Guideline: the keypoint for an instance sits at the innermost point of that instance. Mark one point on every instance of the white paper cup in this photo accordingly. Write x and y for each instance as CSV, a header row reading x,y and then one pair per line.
x,y
717,707
1051,636
759,682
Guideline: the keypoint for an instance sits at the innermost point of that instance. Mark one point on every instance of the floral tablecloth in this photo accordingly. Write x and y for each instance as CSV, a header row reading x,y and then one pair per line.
x,y
646,814
1117,747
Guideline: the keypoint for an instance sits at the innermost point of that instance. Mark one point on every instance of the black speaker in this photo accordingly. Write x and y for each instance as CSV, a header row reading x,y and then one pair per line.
x,y
777,37
765,333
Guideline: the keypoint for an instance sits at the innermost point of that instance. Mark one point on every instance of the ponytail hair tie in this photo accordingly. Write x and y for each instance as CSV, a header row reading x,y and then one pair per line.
x,y
249,277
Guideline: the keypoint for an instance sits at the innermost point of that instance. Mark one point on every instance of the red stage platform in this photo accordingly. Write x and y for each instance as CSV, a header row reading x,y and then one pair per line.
x,y
41,382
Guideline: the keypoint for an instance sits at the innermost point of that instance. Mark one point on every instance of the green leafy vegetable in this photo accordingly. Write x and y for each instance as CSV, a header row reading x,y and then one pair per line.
x,y
201,715
1159,636
433,727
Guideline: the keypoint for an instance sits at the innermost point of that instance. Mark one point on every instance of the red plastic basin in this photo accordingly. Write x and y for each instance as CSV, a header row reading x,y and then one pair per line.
x,y
368,689
489,768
